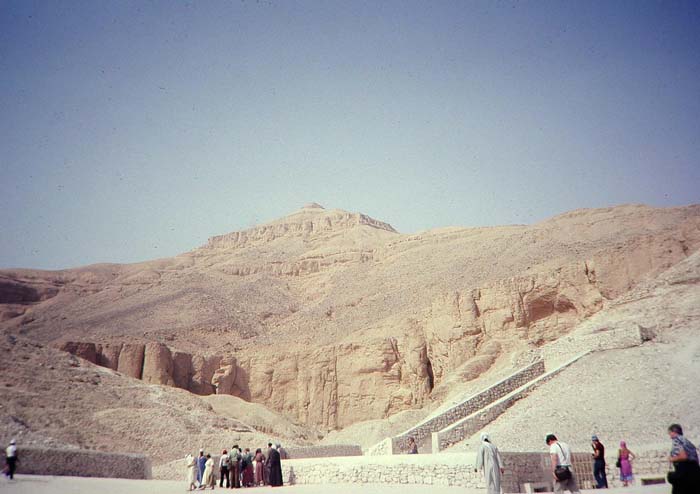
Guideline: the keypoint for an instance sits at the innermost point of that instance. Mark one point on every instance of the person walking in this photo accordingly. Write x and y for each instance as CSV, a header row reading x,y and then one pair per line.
x,y
224,469
685,478
601,478
489,460
562,470
208,479
191,464
201,464
11,459
624,463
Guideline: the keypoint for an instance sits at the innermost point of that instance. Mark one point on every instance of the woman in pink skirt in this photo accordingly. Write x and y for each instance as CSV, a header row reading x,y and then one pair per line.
x,y
259,467
625,456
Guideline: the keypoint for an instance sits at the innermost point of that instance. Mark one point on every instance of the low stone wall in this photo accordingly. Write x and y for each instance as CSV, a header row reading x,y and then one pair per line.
x,y
82,463
327,451
422,432
457,469
524,468
464,428
454,469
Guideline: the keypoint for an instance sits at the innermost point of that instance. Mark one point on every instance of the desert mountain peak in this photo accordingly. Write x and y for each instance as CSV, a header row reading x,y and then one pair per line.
x,y
311,221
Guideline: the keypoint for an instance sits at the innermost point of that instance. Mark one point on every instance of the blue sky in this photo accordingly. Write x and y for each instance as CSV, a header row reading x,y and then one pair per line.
x,y
136,130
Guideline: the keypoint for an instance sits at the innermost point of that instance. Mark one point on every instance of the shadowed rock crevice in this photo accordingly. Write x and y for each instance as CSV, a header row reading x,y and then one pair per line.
x,y
431,376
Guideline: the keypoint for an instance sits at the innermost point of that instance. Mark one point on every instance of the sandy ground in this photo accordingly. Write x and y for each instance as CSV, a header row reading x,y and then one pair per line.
x,y
32,484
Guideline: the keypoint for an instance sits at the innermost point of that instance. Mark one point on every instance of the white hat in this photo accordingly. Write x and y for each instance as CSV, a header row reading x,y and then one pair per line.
x,y
13,442
201,450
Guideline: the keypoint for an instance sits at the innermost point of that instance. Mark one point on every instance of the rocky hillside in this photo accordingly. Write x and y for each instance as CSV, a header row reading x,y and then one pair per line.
x,y
331,318
52,398
630,394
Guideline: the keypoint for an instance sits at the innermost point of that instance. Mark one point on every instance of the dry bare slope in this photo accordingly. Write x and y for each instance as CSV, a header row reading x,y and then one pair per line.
x,y
331,318
51,398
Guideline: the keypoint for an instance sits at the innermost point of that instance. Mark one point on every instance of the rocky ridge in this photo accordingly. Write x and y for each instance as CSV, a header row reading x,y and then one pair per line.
x,y
331,319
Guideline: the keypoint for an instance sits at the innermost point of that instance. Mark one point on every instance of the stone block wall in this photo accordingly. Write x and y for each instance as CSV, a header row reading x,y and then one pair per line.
x,y
82,463
467,426
423,431
323,451
457,469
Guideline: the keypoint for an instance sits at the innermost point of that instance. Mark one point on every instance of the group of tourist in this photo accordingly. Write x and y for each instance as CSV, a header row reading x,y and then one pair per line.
x,y
685,477
237,468
624,463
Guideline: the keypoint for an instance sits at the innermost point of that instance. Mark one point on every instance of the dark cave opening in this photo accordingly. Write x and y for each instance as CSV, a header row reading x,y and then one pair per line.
x,y
431,376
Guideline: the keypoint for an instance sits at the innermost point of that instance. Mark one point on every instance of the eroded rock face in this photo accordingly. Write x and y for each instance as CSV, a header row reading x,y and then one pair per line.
x,y
87,351
108,355
337,385
131,360
157,364
182,369
224,379
203,369
334,385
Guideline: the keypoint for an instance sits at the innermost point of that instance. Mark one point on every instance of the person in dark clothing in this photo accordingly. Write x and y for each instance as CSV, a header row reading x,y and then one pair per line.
x,y
685,478
601,478
275,468
235,466
267,465
224,468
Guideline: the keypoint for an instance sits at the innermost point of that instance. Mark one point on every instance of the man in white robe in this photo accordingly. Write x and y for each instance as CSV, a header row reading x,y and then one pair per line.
x,y
191,472
489,459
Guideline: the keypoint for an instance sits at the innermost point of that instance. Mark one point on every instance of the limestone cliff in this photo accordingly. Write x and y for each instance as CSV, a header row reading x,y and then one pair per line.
x,y
332,317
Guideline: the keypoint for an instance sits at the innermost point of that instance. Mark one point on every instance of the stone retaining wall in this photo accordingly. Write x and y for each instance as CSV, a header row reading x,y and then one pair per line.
x,y
457,469
464,428
395,469
323,451
422,432
536,468
82,463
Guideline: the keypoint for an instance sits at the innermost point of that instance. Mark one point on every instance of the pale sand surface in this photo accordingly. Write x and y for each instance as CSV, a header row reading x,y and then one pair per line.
x,y
33,484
